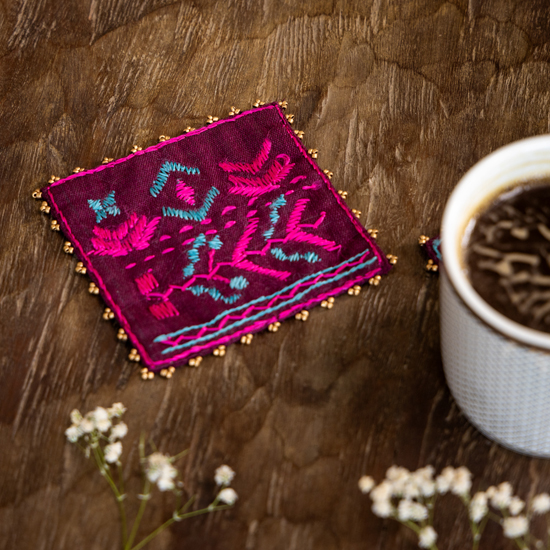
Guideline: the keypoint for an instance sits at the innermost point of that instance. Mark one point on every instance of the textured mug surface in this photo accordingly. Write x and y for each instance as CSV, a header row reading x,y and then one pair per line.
x,y
497,370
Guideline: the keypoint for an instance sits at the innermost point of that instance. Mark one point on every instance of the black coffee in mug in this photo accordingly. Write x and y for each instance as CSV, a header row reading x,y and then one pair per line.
x,y
508,254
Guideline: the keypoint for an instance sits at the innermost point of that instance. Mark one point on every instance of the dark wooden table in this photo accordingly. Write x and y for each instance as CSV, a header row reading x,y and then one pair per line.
x,y
401,98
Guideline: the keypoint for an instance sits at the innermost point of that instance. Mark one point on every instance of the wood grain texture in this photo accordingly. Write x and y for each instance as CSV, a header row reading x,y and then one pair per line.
x,y
401,98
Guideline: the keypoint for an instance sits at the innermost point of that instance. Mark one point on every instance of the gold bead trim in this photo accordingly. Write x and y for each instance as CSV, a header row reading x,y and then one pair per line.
x,y
373,233
211,119
135,149
391,258
45,207
431,266
93,288
302,315
107,160
354,290
53,179
37,194
258,103
246,339
134,355
68,247
313,153
195,362
146,374
423,239
188,129
163,138
80,268
108,314
234,111
299,134
121,335
54,225
219,351
375,281
328,303
356,213
328,174
167,373
78,169
290,118
283,104
274,327
343,194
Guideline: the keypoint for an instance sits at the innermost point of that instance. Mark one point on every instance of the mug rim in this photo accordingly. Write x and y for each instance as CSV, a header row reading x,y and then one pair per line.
x,y
492,171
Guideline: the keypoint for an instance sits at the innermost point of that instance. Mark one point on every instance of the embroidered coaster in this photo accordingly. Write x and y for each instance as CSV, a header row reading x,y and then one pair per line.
x,y
211,236
432,250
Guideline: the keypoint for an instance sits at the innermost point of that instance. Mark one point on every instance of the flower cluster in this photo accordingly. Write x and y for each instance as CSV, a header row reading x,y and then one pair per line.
x,y
223,477
409,497
99,425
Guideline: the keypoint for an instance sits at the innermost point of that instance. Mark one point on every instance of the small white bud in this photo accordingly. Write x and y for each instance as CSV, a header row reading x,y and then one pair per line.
x,y
366,483
113,452
427,537
228,496
224,475
515,527
541,503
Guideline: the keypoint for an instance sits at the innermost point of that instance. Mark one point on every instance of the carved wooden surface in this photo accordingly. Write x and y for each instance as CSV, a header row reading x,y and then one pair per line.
x,y
401,98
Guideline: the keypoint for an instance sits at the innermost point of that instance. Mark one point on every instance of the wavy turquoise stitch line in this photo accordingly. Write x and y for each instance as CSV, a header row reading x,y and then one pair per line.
x,y
238,282
215,243
164,173
310,257
198,290
104,207
162,337
197,215
274,215
296,298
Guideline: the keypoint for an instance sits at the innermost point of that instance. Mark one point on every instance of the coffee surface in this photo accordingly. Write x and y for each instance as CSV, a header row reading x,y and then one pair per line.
x,y
508,254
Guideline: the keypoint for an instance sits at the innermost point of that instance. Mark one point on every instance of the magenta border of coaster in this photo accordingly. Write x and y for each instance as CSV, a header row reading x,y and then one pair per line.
x,y
155,365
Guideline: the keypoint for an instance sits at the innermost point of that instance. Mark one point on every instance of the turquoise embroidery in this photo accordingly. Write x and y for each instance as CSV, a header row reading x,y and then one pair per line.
x,y
197,215
164,173
238,283
310,257
264,312
274,215
215,244
103,208
215,293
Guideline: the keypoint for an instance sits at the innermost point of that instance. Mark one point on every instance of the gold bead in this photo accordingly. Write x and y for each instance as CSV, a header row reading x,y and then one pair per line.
x,y
234,111
108,314
423,239
283,104
195,361
107,160
328,174
93,288
354,290
121,335
246,339
290,119
375,281
54,226
80,268
78,169
211,119
299,134
313,153
258,103
219,351
274,327
189,129
45,207
373,233
135,149
302,315
356,213
171,369
343,194
163,373
134,356
53,179
391,258
68,247
163,138
37,194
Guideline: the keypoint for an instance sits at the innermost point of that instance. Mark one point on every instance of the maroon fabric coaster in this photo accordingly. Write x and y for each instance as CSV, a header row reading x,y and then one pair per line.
x,y
213,235
432,249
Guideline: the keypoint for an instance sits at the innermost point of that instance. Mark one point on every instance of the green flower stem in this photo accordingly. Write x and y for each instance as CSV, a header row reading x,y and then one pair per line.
x,y
146,494
169,522
104,470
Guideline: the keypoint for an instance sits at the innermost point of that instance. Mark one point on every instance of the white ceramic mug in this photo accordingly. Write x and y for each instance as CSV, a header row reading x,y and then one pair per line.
x,y
498,370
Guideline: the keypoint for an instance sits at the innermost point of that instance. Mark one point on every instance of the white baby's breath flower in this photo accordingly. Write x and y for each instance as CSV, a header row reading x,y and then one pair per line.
x,y
382,508
228,496
116,410
445,479
113,452
224,475
73,433
515,527
516,506
366,483
502,496
427,537
100,418
76,417
423,479
541,503
410,510
159,470
398,477
478,507
87,425
383,491
118,431
462,482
